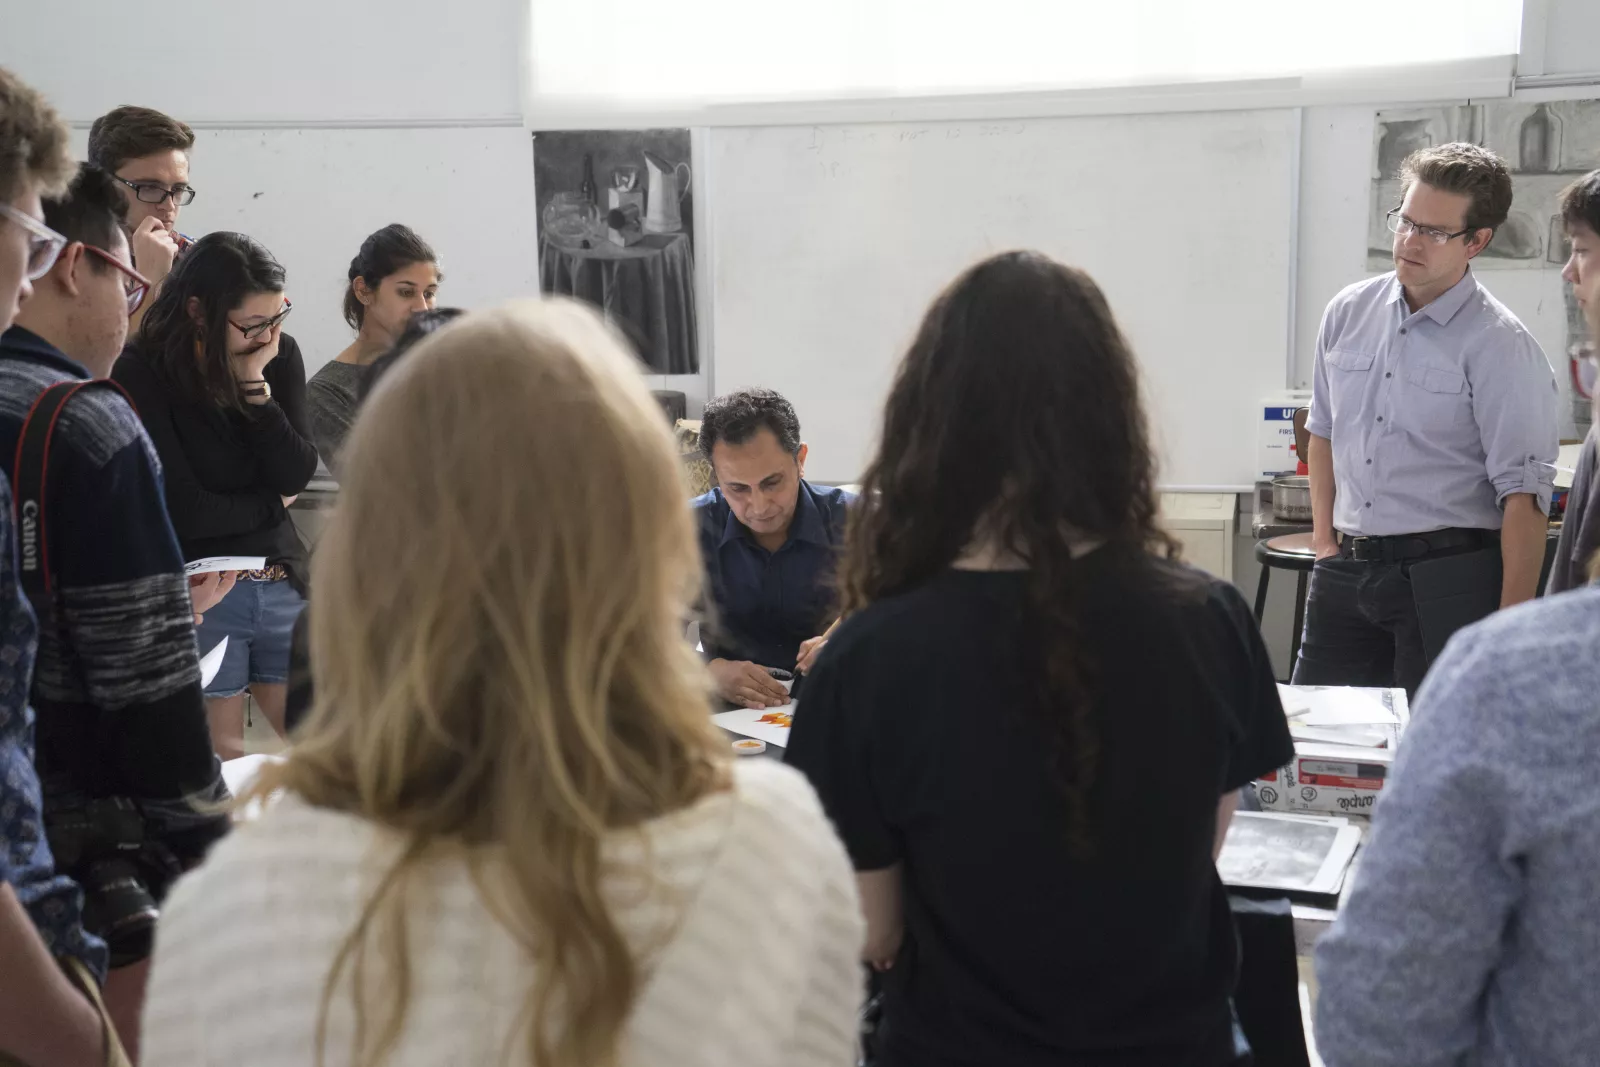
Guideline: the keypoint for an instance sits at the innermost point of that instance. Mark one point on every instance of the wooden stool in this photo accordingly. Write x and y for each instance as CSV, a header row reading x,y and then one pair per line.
x,y
1291,552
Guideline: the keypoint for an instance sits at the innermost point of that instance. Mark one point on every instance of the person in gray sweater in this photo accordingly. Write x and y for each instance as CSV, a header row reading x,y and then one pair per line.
x,y
1471,934
394,276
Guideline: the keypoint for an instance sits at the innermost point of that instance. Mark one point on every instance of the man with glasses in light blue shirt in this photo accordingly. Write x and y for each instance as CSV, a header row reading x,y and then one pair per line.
x,y
1433,434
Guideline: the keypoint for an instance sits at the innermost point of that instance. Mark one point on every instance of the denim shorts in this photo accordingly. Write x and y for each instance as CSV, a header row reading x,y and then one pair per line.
x,y
256,618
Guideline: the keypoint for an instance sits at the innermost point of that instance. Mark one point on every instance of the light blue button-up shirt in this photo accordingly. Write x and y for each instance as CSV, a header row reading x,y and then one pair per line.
x,y
1435,416
1471,935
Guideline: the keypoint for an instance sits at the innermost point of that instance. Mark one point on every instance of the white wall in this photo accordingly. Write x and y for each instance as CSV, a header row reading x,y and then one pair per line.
x,y
321,62
1572,36
410,62
1335,163
225,62
227,65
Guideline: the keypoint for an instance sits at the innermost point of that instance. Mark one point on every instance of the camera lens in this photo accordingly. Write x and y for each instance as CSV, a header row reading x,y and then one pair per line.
x,y
120,909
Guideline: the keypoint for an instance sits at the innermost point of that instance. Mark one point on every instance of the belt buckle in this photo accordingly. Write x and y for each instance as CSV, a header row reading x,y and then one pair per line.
x,y
1359,547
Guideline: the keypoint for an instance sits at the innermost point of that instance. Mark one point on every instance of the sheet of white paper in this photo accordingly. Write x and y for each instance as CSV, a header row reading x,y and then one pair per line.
x,y
224,563
1295,701
211,662
1291,852
239,773
1345,706
771,726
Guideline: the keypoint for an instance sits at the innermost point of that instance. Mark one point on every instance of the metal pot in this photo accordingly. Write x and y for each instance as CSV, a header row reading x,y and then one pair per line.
x,y
1291,498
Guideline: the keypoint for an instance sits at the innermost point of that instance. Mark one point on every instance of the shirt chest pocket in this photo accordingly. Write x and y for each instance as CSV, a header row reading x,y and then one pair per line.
x,y
1435,398
1350,360
1349,382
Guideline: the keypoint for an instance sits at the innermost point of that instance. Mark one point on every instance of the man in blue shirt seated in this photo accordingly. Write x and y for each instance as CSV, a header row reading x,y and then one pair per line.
x,y
769,540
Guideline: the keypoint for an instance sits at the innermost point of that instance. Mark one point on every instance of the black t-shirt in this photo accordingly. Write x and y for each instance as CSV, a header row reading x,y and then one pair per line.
x,y
919,733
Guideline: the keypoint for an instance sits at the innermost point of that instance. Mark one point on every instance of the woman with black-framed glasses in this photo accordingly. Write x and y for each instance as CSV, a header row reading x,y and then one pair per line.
x,y
222,390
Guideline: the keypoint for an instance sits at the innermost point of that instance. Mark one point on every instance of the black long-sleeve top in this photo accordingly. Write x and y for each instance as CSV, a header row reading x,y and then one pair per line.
x,y
226,472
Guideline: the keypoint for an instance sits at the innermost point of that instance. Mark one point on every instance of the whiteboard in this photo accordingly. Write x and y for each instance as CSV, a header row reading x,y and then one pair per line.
x,y
312,195
829,242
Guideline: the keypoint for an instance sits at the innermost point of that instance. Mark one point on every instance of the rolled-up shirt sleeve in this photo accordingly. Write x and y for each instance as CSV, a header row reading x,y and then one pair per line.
x,y
1320,419
1514,398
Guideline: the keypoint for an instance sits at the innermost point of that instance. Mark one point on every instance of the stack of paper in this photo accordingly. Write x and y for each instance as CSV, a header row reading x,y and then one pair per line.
x,y
1344,715
1339,735
1347,706
1344,741
1296,701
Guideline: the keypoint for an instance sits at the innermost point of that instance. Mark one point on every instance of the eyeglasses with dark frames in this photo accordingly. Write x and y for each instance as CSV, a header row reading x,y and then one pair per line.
x,y
1404,227
134,284
44,244
156,192
256,329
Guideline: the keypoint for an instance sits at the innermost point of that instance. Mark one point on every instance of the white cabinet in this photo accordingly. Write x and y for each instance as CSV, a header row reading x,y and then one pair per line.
x,y
1204,524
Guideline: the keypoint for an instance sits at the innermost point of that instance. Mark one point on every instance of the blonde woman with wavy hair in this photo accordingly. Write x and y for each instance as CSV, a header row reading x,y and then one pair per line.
x,y
507,832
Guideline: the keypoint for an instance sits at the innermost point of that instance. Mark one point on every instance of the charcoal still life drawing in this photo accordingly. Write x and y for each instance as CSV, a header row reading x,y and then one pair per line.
x,y
1547,146
616,229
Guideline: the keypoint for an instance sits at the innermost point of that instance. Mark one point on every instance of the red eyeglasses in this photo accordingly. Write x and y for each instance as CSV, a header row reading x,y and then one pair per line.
x,y
134,284
1585,366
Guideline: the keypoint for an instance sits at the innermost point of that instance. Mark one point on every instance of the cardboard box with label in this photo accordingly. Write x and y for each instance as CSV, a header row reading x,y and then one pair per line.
x,y
1339,779
1277,453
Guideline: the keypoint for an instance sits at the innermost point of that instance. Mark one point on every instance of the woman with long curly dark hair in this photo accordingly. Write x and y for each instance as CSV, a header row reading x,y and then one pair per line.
x,y
1031,728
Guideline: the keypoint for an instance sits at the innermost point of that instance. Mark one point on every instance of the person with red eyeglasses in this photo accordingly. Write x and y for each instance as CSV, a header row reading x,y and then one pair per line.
x,y
81,306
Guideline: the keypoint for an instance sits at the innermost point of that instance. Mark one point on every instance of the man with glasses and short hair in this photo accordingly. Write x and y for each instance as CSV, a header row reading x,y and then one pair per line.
x,y
147,153
121,720
1433,436
1469,937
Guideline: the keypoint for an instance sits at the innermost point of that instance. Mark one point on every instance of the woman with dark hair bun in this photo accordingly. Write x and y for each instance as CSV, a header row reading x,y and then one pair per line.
x,y
394,276
1031,727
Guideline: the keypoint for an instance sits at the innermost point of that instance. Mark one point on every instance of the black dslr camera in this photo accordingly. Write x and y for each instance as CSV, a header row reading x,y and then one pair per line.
x,y
101,844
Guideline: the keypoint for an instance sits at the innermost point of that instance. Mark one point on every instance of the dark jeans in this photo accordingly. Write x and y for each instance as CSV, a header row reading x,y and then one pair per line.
x,y
1361,627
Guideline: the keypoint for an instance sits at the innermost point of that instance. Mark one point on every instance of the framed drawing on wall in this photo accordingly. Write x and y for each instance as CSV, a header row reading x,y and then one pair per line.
x,y
616,229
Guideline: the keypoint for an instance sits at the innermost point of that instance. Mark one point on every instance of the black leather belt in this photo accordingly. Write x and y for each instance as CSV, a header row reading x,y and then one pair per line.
x,y
1402,547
